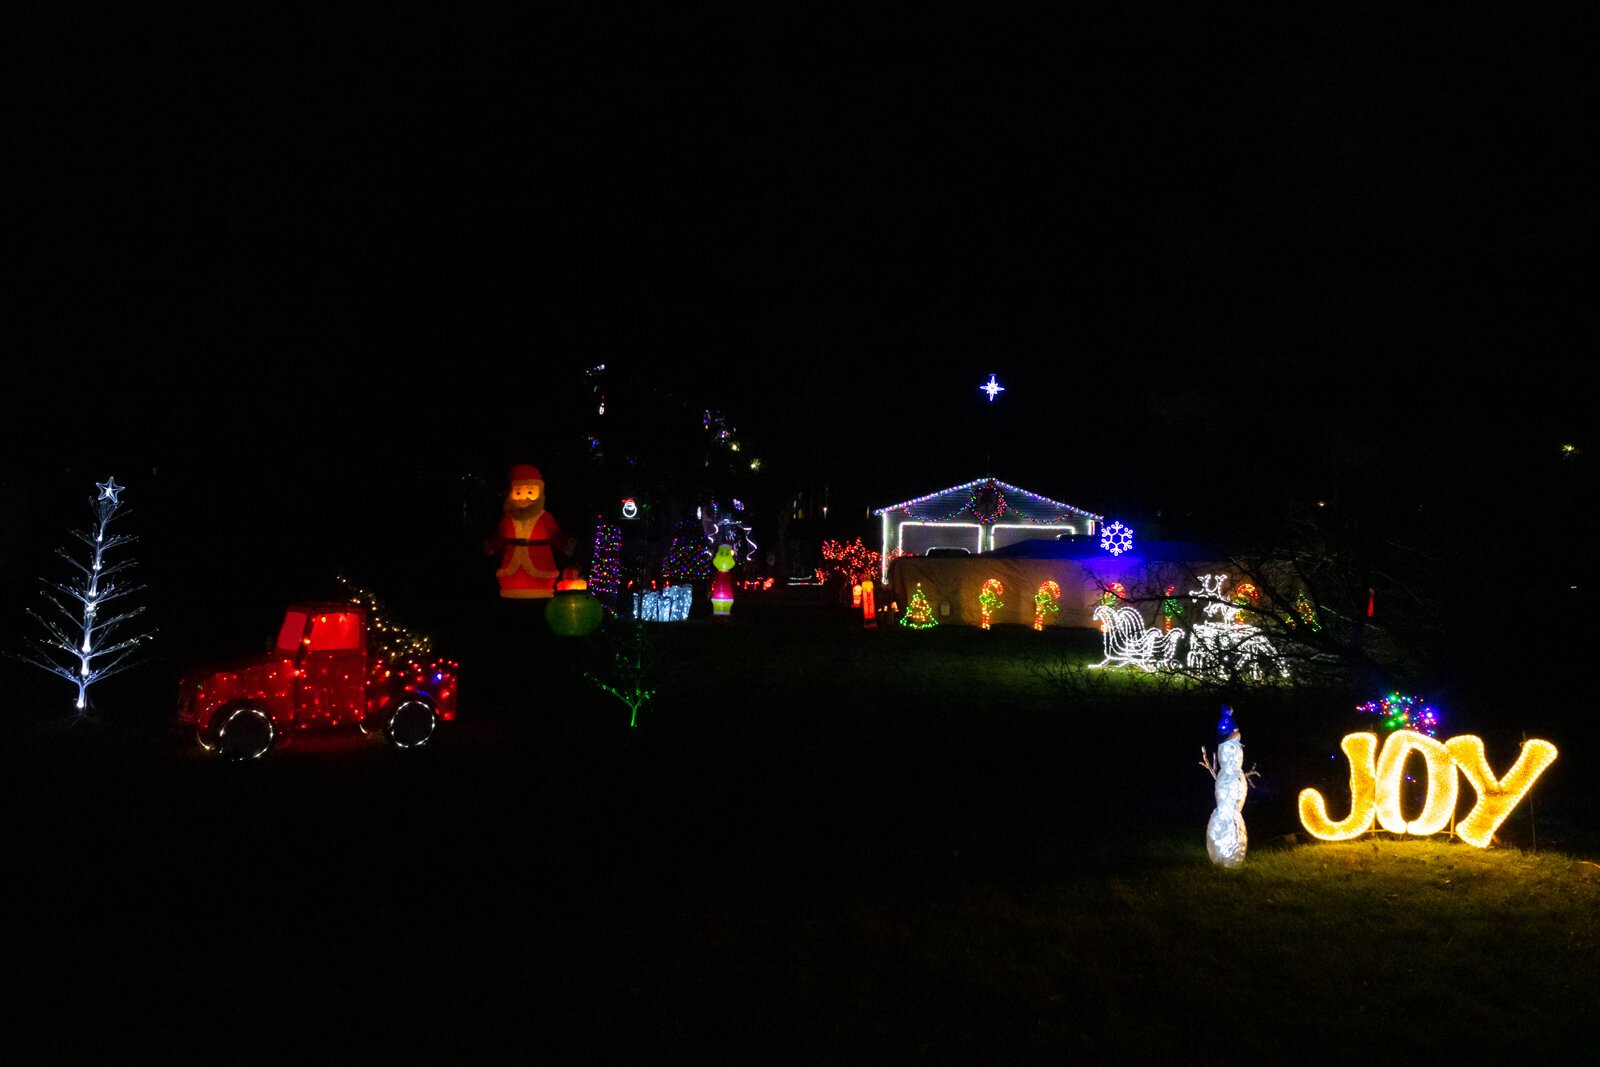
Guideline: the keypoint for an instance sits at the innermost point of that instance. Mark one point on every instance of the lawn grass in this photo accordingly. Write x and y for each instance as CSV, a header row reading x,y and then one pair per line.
x,y
1400,948
820,844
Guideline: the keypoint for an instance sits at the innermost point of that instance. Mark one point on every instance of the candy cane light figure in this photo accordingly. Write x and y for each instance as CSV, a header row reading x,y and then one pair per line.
x,y
1226,839
1046,601
989,599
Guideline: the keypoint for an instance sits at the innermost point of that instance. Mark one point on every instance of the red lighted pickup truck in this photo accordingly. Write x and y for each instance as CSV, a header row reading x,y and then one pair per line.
x,y
318,674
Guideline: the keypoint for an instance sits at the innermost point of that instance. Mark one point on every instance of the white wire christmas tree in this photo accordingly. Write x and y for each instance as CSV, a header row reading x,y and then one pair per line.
x,y
83,642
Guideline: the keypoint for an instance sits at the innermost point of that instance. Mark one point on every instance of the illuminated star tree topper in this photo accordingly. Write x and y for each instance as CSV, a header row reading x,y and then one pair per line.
x,y
84,641
992,387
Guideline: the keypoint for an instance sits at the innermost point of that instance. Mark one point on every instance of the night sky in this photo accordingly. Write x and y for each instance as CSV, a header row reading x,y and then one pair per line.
x,y
1198,252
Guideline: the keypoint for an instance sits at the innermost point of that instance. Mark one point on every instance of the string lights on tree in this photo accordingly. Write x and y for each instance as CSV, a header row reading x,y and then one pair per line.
x,y
386,637
688,556
83,641
853,562
605,566
1400,711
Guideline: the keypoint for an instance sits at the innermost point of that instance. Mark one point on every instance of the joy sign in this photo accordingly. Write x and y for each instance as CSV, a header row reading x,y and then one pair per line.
x,y
1376,778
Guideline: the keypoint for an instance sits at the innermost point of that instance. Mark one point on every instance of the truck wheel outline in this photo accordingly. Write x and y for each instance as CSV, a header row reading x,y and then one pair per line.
x,y
217,728
405,737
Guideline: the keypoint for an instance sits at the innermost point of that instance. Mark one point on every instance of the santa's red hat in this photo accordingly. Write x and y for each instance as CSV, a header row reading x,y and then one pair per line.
x,y
526,472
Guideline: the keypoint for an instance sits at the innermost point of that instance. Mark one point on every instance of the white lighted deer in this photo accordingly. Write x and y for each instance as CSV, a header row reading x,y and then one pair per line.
x,y
1226,645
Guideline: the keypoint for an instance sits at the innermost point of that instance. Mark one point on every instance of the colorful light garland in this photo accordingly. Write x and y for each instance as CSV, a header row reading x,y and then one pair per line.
x,y
973,487
986,501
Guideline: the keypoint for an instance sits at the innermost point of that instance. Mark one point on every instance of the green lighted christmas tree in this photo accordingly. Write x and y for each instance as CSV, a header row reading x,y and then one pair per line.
x,y
919,614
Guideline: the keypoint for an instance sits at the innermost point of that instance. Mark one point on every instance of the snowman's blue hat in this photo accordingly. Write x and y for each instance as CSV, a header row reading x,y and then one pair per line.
x,y
1226,725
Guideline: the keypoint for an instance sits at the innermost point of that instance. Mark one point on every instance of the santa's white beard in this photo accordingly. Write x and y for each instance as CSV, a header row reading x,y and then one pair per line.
x,y
525,512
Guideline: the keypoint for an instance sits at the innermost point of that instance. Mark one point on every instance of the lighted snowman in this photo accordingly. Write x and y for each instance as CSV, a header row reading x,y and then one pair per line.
x,y
1226,839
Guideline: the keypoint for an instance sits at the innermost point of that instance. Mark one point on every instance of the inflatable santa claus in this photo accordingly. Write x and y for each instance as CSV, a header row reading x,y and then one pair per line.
x,y
528,539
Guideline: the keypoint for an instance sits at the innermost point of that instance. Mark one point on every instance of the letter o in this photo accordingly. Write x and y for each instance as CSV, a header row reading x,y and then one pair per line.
x,y
1440,803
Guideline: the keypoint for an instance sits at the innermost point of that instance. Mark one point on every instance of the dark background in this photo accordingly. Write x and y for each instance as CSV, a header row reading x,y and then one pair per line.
x,y
308,283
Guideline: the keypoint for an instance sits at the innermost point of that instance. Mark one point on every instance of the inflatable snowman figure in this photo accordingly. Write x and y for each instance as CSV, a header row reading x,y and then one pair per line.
x,y
1225,834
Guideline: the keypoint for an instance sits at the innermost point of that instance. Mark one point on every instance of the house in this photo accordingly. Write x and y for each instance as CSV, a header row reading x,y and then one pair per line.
x,y
974,518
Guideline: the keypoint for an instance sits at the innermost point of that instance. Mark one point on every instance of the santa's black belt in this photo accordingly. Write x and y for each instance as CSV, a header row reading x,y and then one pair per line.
x,y
520,541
